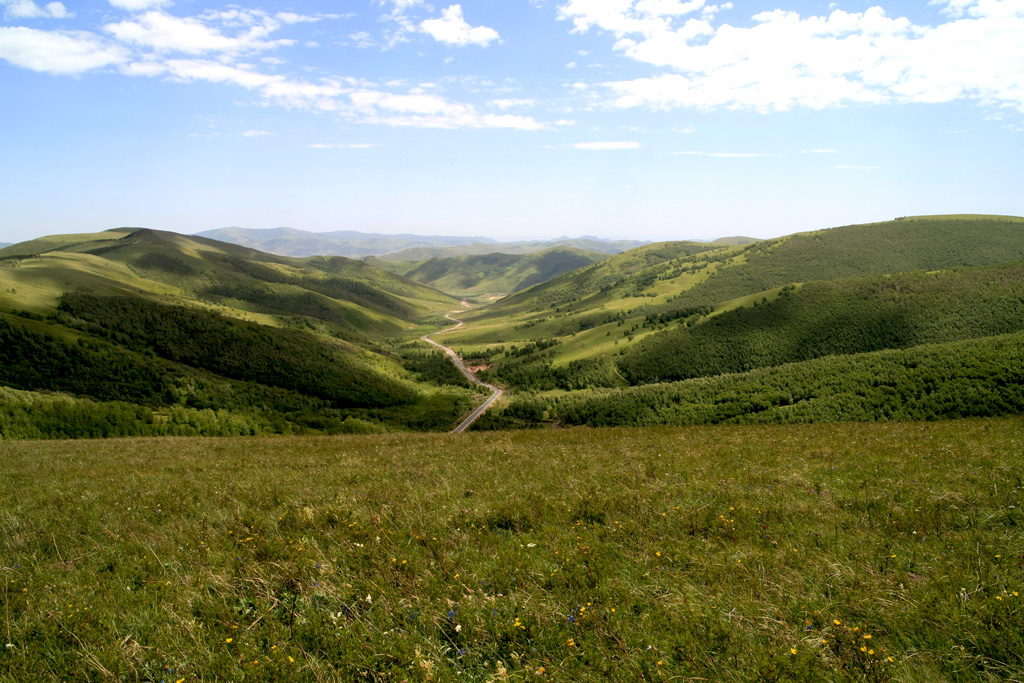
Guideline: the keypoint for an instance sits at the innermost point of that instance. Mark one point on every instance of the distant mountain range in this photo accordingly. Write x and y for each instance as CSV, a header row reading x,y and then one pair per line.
x,y
355,244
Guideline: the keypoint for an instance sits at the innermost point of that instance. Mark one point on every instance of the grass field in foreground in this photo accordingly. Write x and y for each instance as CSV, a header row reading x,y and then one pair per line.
x,y
811,552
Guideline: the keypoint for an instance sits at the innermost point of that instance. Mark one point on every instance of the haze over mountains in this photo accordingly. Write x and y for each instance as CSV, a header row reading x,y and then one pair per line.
x,y
136,331
401,247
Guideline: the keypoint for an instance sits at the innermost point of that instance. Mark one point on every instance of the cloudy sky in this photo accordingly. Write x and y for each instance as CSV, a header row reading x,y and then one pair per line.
x,y
649,119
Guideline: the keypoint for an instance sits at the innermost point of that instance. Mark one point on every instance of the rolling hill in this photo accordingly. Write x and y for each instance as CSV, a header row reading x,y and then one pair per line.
x,y
400,247
640,290
492,274
483,248
134,320
683,311
351,243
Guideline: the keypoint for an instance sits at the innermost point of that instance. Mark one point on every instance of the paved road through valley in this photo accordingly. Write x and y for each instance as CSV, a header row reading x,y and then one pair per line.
x,y
496,392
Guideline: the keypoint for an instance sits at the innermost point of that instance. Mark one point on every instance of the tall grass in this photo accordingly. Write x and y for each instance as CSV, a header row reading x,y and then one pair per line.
x,y
810,552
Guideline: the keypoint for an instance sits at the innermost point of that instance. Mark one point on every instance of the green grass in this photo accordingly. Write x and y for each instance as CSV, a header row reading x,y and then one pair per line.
x,y
725,553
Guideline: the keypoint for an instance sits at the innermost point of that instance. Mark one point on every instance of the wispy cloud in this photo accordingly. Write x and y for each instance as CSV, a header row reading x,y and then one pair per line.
x,y
857,168
821,150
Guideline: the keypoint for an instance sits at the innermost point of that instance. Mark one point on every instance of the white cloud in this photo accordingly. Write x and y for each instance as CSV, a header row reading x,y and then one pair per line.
x,y
58,52
27,9
194,35
256,133
785,61
140,5
511,103
687,129
606,146
820,150
570,65
453,29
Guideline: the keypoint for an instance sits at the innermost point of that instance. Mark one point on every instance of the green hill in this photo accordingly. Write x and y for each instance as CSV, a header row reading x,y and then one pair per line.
x,y
975,377
601,309
351,243
833,317
493,274
397,247
355,301
134,320
527,247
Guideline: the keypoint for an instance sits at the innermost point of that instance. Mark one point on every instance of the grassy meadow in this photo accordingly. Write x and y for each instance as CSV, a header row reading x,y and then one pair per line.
x,y
886,551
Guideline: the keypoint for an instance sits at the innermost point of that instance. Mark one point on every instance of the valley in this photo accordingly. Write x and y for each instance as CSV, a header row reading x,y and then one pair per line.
x,y
143,332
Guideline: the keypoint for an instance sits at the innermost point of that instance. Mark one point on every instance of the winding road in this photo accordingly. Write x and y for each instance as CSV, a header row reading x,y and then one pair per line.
x,y
482,408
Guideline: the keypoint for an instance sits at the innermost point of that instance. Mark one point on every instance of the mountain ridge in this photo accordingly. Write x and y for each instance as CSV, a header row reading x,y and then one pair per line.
x,y
399,247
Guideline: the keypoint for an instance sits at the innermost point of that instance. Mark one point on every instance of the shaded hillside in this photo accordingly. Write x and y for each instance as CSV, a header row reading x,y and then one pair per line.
x,y
836,317
976,377
493,273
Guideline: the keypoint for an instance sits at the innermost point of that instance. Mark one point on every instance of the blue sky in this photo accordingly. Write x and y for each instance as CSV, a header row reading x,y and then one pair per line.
x,y
646,119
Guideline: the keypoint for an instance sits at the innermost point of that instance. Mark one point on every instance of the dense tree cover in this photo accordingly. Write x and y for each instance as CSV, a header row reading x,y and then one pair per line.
x,y
837,317
27,415
521,412
972,378
236,349
430,365
32,360
535,373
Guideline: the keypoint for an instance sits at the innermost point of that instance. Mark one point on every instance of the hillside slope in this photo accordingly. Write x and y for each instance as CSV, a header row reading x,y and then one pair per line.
x,y
143,320
601,309
494,273
845,316
355,300
397,247
351,243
